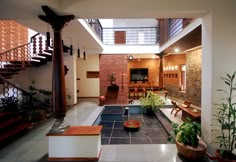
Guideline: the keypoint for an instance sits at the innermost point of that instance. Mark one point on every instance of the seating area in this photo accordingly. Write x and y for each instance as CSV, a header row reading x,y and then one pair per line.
x,y
187,111
140,91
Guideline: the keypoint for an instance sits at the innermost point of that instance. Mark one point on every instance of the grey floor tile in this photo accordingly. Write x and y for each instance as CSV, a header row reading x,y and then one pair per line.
x,y
140,140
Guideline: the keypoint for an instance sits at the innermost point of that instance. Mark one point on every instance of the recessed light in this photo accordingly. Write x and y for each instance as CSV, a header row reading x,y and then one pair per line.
x,y
176,50
130,57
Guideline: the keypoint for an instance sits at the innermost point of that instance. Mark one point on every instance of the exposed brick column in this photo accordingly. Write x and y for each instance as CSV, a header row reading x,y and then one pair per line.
x,y
58,81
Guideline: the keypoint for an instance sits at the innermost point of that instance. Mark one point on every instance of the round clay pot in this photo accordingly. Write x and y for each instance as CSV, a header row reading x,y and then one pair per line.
x,y
222,159
102,100
192,153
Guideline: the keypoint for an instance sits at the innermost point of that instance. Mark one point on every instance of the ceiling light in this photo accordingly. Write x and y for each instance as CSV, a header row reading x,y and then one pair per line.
x,y
176,50
130,57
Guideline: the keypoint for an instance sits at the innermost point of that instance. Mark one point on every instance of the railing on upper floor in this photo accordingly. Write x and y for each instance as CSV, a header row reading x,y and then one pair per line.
x,y
175,26
96,25
130,36
138,35
125,35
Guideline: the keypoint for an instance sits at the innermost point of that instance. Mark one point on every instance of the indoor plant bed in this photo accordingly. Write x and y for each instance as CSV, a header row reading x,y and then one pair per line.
x,y
151,102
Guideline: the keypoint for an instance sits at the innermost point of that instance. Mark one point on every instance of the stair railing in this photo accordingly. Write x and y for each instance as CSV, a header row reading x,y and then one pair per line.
x,y
11,95
24,54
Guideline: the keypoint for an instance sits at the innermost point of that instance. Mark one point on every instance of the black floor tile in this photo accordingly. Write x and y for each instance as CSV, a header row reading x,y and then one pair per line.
x,y
136,117
120,141
105,141
119,125
140,140
106,124
149,118
157,132
151,124
119,133
139,133
106,132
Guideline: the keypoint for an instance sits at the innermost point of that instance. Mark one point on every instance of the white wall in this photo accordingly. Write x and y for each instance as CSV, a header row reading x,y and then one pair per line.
x,y
70,79
88,87
218,42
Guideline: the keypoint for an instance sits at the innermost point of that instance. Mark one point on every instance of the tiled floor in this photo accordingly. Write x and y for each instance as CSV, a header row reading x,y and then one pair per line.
x,y
33,147
113,130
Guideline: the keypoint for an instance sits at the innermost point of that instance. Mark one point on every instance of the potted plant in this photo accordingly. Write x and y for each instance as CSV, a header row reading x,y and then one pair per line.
x,y
151,102
112,79
226,117
188,140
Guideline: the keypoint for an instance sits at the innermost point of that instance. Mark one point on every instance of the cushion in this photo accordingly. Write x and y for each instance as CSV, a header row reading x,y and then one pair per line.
x,y
185,106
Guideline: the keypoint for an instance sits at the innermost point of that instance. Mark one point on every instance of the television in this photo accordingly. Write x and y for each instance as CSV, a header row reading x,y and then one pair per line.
x,y
138,74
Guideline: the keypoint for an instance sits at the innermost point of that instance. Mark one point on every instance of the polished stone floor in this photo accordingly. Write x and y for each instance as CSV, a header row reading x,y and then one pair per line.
x,y
33,147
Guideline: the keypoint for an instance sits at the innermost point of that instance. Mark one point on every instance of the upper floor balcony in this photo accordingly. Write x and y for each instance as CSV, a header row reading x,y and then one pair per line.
x,y
165,30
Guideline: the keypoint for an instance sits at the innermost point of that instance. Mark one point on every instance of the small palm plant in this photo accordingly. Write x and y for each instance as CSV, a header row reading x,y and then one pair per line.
x,y
226,116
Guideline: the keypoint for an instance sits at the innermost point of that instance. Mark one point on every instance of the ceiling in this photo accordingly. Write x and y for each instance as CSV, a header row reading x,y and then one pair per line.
x,y
26,12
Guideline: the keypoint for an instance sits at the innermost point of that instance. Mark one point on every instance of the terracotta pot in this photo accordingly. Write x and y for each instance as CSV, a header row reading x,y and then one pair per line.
x,y
221,159
102,100
192,153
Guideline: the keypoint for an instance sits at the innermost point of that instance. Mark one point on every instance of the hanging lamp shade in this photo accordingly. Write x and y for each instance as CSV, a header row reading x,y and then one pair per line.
x,y
71,50
78,52
48,39
84,55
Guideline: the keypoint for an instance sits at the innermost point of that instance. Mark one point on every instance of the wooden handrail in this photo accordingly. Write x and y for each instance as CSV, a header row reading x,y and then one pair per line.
x,y
31,39
24,91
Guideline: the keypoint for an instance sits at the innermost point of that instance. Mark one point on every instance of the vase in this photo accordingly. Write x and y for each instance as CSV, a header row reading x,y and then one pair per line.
x,y
102,100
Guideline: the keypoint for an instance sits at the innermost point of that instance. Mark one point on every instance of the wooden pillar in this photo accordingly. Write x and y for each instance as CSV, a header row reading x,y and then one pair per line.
x,y
58,80
161,71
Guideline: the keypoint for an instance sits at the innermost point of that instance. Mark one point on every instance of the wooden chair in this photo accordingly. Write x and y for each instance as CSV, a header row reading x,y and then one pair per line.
x,y
178,108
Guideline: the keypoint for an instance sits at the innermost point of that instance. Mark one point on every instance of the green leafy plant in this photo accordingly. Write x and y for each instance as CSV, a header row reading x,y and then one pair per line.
x,y
188,132
41,98
226,115
151,101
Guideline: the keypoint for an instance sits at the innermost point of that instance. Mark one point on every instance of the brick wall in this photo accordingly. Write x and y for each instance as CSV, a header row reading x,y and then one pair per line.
x,y
117,65
171,71
193,76
12,34
153,70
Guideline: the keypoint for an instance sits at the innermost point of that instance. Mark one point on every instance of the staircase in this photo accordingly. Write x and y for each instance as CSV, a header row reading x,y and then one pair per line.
x,y
11,126
32,54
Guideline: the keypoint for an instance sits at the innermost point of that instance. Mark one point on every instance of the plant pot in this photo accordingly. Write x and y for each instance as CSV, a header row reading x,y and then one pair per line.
x,y
227,157
102,100
192,153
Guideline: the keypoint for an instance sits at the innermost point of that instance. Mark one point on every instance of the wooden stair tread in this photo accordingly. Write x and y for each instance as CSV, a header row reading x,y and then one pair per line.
x,y
8,72
49,51
9,122
10,68
18,65
4,113
17,129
